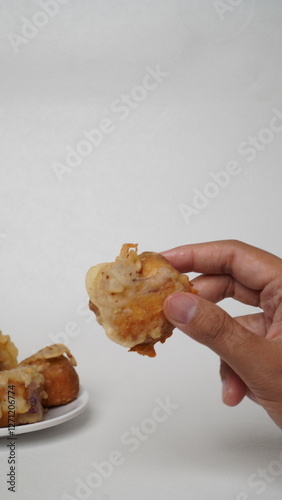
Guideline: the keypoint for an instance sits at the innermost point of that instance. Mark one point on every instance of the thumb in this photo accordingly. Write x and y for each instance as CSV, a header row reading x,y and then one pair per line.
x,y
210,325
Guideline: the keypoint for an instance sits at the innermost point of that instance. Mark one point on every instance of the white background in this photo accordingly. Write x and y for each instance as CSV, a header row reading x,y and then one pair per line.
x,y
224,77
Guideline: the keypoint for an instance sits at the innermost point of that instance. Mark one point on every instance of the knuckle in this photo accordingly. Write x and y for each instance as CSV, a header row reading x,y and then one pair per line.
x,y
229,289
218,328
234,242
271,296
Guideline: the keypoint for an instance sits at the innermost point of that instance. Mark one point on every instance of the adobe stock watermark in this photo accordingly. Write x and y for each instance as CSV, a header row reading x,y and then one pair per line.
x,y
205,19
219,180
130,440
31,27
3,236
223,6
120,108
262,478
74,327
12,438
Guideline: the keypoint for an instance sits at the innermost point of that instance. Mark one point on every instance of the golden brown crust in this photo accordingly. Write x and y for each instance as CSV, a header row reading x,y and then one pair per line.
x,y
8,353
61,382
49,352
21,396
148,348
127,297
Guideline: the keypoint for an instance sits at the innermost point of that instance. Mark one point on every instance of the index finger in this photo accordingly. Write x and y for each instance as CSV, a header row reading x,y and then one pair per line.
x,y
249,265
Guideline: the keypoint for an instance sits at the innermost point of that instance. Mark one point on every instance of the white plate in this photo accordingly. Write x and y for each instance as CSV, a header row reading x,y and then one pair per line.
x,y
54,416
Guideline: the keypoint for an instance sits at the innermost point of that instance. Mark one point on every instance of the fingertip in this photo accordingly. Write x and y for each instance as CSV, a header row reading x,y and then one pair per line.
x,y
180,307
233,394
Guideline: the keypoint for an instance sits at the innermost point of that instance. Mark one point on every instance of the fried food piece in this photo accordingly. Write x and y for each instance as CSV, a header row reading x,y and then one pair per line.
x,y
127,297
8,353
21,395
61,382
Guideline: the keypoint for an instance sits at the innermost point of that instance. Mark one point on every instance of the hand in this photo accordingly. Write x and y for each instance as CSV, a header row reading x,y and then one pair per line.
x,y
250,346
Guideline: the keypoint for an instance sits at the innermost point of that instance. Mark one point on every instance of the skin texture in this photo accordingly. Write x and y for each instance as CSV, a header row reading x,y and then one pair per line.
x,y
250,347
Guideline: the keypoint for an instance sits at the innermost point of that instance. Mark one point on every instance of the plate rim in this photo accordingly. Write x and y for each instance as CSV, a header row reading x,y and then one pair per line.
x,y
82,399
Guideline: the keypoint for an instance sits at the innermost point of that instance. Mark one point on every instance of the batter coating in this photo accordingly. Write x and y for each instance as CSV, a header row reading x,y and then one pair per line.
x,y
127,297
21,396
8,353
61,382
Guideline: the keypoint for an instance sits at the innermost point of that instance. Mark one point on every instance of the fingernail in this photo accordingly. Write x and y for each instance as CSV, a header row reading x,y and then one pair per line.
x,y
181,307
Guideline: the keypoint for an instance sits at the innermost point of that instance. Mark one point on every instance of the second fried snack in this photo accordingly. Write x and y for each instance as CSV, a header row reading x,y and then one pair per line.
x,y
61,382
